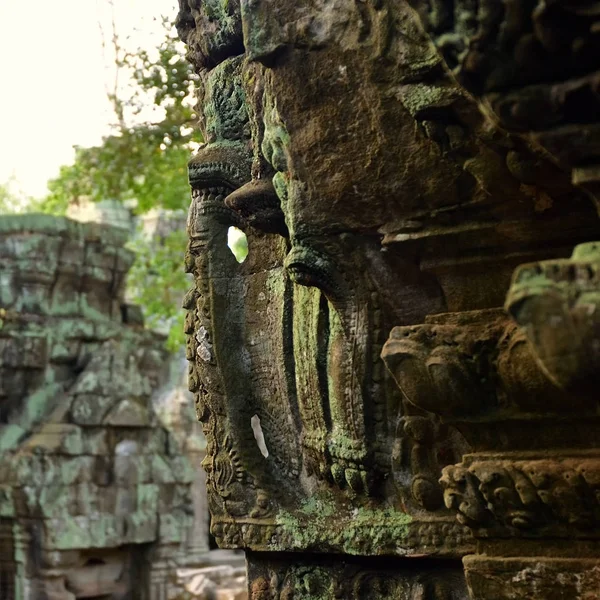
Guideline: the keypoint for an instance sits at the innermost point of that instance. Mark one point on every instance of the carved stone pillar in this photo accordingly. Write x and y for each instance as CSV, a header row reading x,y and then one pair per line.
x,y
375,192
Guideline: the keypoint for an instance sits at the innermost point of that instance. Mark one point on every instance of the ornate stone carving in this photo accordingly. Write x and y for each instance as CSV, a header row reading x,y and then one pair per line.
x,y
539,496
277,578
375,192
469,366
536,65
523,394
556,303
338,422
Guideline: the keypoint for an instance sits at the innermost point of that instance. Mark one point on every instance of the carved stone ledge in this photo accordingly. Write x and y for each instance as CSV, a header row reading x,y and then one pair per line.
x,y
526,496
311,576
472,368
369,533
557,305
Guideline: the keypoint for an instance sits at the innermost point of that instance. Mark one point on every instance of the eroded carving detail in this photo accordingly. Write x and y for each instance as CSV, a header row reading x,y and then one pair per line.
x,y
518,392
526,497
556,304
281,579
377,192
536,65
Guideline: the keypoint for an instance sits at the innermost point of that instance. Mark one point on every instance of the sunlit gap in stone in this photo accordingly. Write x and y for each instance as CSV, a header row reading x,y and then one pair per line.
x,y
238,243
259,436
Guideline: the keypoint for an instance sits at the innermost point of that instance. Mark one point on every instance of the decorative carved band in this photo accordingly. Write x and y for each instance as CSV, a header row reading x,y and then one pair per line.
x,y
535,496
373,534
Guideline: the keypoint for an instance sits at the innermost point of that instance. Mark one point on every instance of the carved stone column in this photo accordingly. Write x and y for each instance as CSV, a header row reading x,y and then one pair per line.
x,y
375,192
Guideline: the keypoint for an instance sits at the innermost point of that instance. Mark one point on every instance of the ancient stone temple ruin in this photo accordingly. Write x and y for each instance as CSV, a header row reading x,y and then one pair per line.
x,y
95,493
415,330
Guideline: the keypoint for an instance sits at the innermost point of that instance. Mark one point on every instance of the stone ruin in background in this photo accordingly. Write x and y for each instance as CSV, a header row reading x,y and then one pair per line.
x,y
98,498
416,327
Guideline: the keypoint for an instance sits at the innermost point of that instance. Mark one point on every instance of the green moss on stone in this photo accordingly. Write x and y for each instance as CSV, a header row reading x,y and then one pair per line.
x,y
322,523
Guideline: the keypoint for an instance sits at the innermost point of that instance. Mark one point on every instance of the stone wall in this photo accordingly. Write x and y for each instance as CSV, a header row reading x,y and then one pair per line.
x,y
95,493
175,406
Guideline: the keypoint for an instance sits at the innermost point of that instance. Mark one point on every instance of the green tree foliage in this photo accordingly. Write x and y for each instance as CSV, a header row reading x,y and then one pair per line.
x,y
145,158
238,243
143,163
157,282
12,199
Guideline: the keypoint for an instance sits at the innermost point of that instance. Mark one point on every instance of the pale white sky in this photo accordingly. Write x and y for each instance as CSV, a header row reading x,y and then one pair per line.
x,y
54,76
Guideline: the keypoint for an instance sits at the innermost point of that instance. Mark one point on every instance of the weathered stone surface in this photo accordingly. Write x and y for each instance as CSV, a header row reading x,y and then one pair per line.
x,y
536,577
536,65
308,578
88,480
392,163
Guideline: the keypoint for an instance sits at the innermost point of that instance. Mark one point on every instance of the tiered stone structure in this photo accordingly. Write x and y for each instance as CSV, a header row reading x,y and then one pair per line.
x,y
392,163
174,406
95,493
